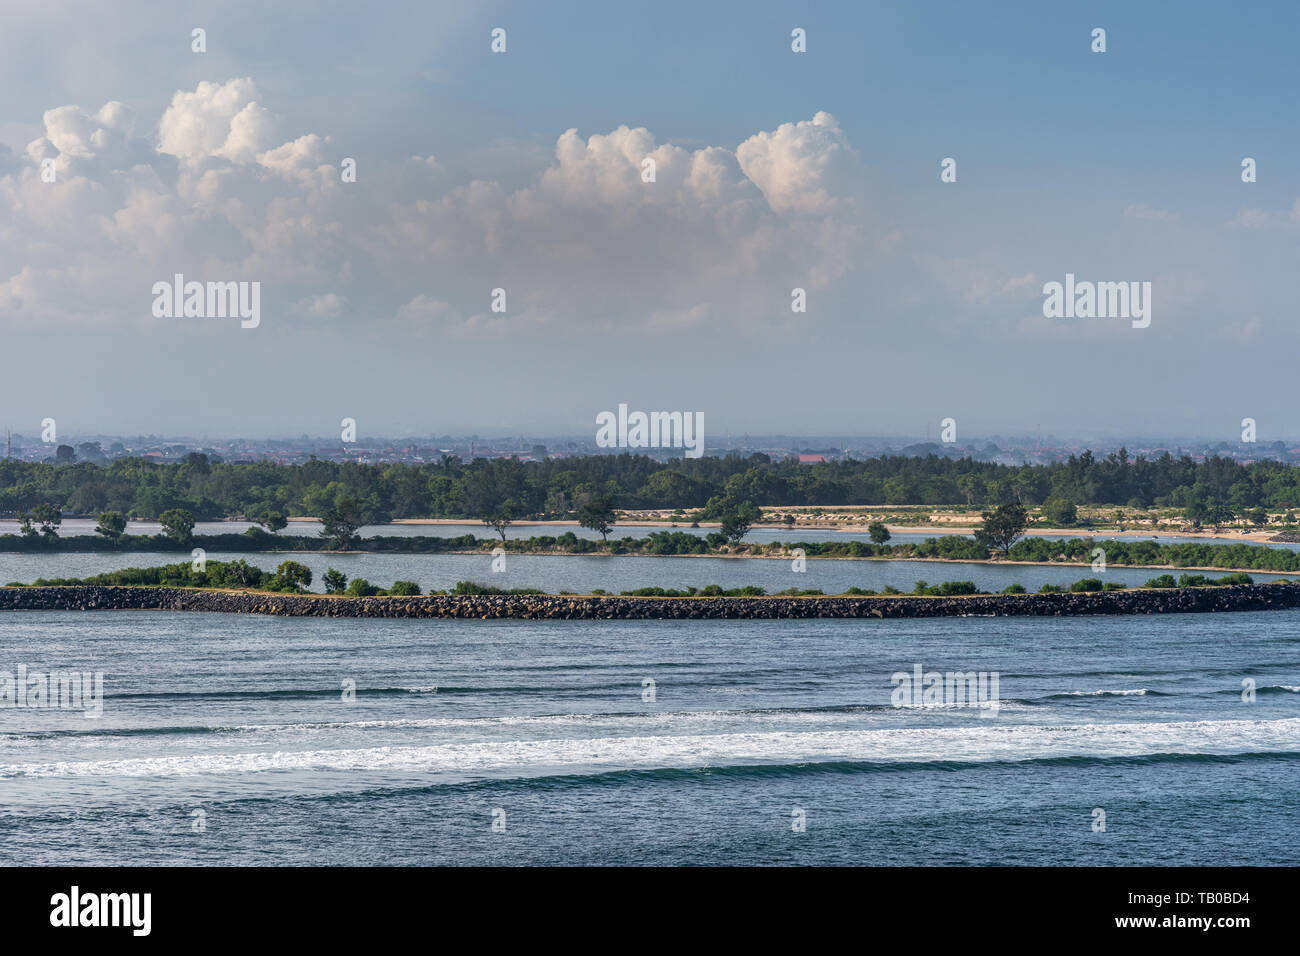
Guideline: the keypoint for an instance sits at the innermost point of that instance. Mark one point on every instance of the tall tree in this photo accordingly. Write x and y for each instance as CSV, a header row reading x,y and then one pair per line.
x,y
46,515
1002,527
110,524
597,513
737,519
272,521
177,523
501,517
341,521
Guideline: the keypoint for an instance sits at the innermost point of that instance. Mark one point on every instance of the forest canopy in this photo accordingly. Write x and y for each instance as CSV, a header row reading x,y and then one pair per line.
x,y
452,488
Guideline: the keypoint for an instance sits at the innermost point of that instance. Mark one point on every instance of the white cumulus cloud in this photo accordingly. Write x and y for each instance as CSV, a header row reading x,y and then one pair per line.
x,y
803,167
217,119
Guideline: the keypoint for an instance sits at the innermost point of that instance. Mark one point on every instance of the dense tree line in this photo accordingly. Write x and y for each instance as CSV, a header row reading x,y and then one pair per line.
x,y
506,489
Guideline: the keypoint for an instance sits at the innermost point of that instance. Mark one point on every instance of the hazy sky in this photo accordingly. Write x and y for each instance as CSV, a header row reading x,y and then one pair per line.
x,y
774,170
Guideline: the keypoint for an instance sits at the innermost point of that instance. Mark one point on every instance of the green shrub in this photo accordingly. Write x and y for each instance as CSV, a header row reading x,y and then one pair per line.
x,y
946,589
949,588
289,576
1239,577
474,588
711,590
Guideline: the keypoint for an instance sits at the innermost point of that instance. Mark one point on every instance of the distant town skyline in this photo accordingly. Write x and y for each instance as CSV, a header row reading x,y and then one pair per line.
x,y
1004,449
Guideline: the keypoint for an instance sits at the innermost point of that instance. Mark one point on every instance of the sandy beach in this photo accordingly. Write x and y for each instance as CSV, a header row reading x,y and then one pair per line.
x,y
860,527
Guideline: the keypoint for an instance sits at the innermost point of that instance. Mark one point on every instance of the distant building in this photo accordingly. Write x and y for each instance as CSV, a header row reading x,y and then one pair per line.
x,y
812,459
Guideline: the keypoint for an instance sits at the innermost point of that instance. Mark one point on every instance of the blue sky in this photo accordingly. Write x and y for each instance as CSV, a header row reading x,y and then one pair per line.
x,y
818,170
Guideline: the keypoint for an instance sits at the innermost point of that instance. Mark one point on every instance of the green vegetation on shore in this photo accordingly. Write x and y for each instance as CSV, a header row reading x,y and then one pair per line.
x,y
1036,550
294,578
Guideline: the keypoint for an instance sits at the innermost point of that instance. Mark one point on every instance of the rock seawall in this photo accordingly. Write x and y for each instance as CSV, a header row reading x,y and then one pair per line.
x,y
1249,597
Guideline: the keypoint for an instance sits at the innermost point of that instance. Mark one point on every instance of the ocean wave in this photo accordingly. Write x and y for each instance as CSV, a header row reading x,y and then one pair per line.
x,y
310,693
519,758
1265,689
828,713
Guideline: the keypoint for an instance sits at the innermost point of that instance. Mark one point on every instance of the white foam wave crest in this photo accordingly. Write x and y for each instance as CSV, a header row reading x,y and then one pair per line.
x,y
561,756
613,718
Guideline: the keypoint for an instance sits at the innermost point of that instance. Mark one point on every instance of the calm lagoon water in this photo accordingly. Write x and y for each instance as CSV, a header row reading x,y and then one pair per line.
x,y
582,573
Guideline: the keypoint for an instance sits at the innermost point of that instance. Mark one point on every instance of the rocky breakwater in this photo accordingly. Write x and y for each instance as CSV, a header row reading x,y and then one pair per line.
x,y
1250,597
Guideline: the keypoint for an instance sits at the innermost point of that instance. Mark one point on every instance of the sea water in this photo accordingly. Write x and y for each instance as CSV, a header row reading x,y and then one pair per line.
x,y
230,739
